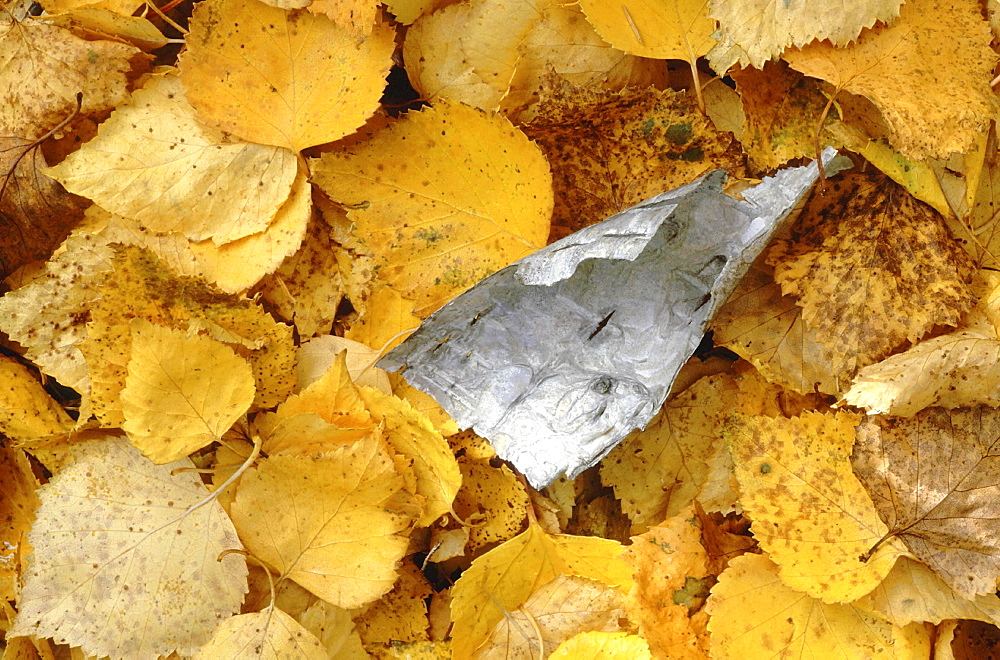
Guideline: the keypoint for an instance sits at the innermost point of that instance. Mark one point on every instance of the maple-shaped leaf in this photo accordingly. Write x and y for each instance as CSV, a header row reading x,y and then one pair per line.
x,y
17,513
334,522
782,109
400,615
672,580
154,162
763,326
181,392
671,30
130,558
48,73
493,500
935,101
659,470
913,592
561,608
268,634
609,152
754,31
603,646
953,370
809,511
476,197
27,411
292,79
754,614
505,577
36,213
885,272
935,480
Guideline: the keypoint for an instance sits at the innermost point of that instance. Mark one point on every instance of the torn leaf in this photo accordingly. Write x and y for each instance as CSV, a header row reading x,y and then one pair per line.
x,y
559,356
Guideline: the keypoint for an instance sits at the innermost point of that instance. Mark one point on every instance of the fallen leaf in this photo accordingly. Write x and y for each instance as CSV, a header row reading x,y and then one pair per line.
x,y
400,615
335,629
493,34
182,392
154,162
670,30
335,522
268,634
290,79
810,513
754,31
357,17
603,646
27,411
935,480
753,614
115,542
492,500
441,221
935,100
17,513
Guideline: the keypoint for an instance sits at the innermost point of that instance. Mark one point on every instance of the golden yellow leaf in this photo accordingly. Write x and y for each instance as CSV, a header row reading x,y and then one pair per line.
x,y
504,578
766,328
437,65
912,592
476,197
563,43
333,396
27,412
603,646
267,635
153,161
17,513
316,355
885,273
141,286
43,68
492,500
493,34
664,29
934,100
123,7
407,11
809,511
754,31
107,24
783,109
672,580
411,435
979,233
48,315
181,393
400,615
957,369
723,107
291,79
335,629
753,614
659,470
356,17
335,523
389,320
611,151
116,543
561,608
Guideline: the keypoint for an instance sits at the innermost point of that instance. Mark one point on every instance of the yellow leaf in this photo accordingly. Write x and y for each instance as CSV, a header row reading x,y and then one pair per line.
x,y
885,273
474,198
493,500
561,608
106,24
935,100
17,513
603,646
400,615
123,7
44,67
407,11
291,79
335,523
490,40
181,393
664,29
753,614
809,511
611,151
265,635
504,578
957,369
155,163
356,17
389,320
979,233
411,435
116,544
316,355
754,31
27,412
335,629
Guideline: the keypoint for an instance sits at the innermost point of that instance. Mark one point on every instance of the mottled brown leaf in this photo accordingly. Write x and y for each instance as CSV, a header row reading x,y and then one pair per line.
x,y
935,480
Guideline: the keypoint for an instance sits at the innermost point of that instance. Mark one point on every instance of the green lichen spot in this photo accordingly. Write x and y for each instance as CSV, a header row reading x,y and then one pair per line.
x,y
765,468
647,127
428,235
679,133
92,57
694,591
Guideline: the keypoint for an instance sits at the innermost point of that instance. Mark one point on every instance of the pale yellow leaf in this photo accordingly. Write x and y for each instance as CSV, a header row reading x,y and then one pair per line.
x,y
663,29
27,412
267,635
181,392
315,356
603,646
130,558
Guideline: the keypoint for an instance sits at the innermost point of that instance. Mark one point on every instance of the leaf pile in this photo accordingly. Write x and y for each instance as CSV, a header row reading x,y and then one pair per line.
x,y
216,215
